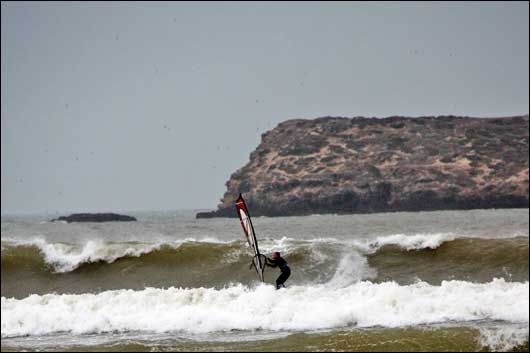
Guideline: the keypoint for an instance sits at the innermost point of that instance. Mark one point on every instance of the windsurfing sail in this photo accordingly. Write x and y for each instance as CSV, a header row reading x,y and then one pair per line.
x,y
248,229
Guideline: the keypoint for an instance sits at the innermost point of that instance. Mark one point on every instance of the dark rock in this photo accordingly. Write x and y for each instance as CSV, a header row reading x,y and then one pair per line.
x,y
95,217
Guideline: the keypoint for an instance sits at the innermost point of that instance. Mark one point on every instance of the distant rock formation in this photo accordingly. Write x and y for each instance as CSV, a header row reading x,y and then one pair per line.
x,y
362,165
95,217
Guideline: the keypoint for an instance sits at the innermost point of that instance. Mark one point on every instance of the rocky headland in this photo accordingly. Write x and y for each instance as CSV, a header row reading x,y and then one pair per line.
x,y
362,165
94,217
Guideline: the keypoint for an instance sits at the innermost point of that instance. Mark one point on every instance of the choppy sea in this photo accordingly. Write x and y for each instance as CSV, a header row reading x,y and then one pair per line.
x,y
410,281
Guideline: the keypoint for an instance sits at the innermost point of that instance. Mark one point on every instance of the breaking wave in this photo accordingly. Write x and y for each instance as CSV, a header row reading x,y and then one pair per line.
x,y
64,257
297,308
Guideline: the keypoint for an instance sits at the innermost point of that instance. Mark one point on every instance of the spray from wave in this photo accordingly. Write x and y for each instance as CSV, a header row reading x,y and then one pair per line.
x,y
205,310
63,257
503,339
39,267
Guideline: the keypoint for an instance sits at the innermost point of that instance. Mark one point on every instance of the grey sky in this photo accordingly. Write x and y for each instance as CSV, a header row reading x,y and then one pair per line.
x,y
148,106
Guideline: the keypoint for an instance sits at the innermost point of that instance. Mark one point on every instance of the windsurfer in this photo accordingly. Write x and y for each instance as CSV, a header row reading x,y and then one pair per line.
x,y
278,261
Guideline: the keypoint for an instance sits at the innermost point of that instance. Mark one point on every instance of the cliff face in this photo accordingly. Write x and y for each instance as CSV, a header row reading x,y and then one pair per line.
x,y
341,165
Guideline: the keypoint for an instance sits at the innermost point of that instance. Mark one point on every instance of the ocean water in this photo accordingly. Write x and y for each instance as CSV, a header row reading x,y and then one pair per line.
x,y
411,281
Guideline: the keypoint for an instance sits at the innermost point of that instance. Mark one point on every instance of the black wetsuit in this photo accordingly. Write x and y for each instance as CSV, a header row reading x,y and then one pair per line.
x,y
284,267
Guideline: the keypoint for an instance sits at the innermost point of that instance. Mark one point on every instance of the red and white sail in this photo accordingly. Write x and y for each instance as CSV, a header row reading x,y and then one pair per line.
x,y
248,229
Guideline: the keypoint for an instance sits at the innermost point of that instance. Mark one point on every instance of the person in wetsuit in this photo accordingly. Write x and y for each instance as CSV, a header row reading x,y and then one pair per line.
x,y
278,261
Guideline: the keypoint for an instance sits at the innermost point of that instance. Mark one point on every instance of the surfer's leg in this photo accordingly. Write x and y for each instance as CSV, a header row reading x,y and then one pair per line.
x,y
282,278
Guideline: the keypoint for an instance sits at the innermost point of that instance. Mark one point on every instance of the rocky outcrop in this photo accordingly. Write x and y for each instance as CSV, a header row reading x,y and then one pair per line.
x,y
360,165
95,217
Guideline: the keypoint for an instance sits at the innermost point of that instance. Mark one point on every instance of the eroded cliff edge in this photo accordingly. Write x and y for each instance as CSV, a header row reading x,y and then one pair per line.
x,y
360,165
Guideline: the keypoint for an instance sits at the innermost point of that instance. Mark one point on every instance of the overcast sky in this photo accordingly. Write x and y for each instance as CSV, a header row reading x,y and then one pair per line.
x,y
151,106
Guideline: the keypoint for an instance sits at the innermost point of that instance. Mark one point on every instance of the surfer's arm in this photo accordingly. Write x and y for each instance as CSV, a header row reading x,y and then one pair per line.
x,y
270,263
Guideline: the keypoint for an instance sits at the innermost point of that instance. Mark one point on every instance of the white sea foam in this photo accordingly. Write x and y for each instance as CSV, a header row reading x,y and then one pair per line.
x,y
284,244
405,241
204,310
65,257
413,242
503,339
209,240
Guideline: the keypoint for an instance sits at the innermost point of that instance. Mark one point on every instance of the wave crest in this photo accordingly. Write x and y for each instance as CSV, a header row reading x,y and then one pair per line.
x,y
203,310
63,257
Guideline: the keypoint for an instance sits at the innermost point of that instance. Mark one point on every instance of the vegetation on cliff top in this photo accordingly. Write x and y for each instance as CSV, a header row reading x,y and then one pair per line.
x,y
349,165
